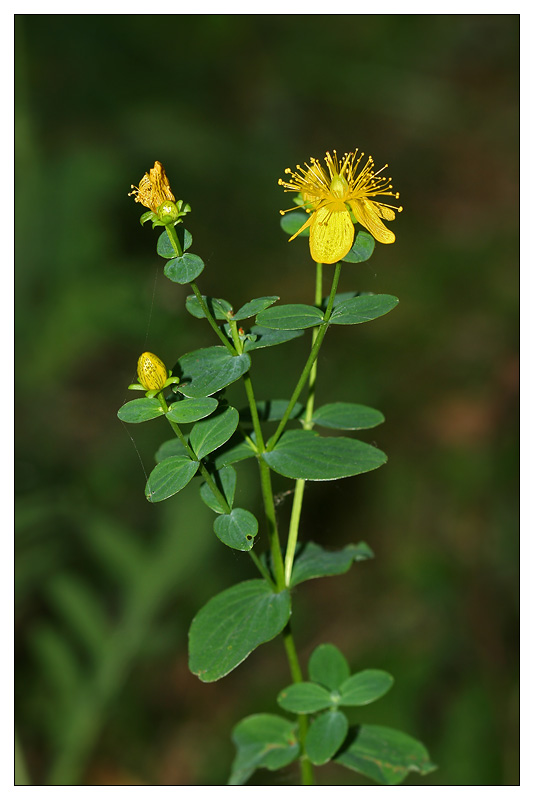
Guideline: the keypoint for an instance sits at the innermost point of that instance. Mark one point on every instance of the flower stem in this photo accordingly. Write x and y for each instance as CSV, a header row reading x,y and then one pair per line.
x,y
211,320
173,238
321,332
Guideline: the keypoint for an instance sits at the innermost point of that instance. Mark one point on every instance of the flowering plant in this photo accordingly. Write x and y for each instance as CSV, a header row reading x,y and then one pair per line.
x,y
211,436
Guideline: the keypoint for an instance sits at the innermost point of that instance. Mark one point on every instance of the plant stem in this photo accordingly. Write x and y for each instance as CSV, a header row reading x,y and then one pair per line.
x,y
310,362
211,320
173,238
272,526
306,767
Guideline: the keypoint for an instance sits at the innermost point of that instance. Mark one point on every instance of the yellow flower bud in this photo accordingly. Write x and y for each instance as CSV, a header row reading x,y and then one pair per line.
x,y
151,371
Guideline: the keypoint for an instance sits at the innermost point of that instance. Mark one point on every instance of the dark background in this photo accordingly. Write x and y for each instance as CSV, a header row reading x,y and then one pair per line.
x,y
107,584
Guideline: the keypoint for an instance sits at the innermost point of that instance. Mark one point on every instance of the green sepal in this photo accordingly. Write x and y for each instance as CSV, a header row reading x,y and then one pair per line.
x,y
328,666
237,529
217,306
326,734
232,624
383,754
225,480
184,269
263,741
140,410
169,477
304,698
148,215
361,250
211,433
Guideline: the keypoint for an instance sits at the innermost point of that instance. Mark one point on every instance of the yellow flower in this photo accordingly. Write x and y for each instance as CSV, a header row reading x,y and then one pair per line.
x,y
151,371
154,188
329,197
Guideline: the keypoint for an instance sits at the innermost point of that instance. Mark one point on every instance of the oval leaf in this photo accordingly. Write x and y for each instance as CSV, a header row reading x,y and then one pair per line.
x,y
172,447
210,369
237,529
217,307
184,269
328,665
165,247
225,479
365,687
313,561
293,220
140,410
169,477
272,411
384,754
191,410
361,250
304,698
254,307
236,449
232,624
291,317
325,736
304,454
363,308
265,337
262,740
209,434
347,416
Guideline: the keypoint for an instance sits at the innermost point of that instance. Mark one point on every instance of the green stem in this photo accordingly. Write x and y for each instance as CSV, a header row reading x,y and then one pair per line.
x,y
321,332
173,238
306,767
272,526
211,320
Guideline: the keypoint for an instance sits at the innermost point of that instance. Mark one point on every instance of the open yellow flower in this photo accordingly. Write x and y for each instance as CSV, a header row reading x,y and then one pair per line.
x,y
154,188
330,196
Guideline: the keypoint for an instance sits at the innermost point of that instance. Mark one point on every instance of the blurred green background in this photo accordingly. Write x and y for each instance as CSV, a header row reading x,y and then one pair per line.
x,y
106,584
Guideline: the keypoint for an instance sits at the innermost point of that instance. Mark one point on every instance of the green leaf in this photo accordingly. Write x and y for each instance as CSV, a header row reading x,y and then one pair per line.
x,y
384,754
328,665
166,249
190,410
209,434
237,529
363,308
169,477
269,338
254,307
218,307
304,698
361,250
225,479
347,416
305,454
313,561
210,369
325,736
293,220
172,447
140,410
184,269
236,449
262,740
232,624
291,317
272,411
365,687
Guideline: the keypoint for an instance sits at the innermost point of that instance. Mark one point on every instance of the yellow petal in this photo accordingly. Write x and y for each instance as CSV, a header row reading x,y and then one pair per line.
x,y
331,235
385,212
366,214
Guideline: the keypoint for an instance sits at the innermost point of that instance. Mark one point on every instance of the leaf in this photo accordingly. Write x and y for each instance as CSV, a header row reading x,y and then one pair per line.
x,y
232,624
363,308
272,411
172,447
254,307
140,410
305,454
365,687
304,698
347,416
166,249
210,369
236,449
262,740
191,410
269,338
225,479
325,736
290,317
218,307
293,220
209,434
361,250
328,665
313,561
384,754
184,269
237,529
169,477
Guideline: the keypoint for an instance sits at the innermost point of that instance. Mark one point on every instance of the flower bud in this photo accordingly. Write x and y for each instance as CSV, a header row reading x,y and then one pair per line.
x,y
168,212
151,371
